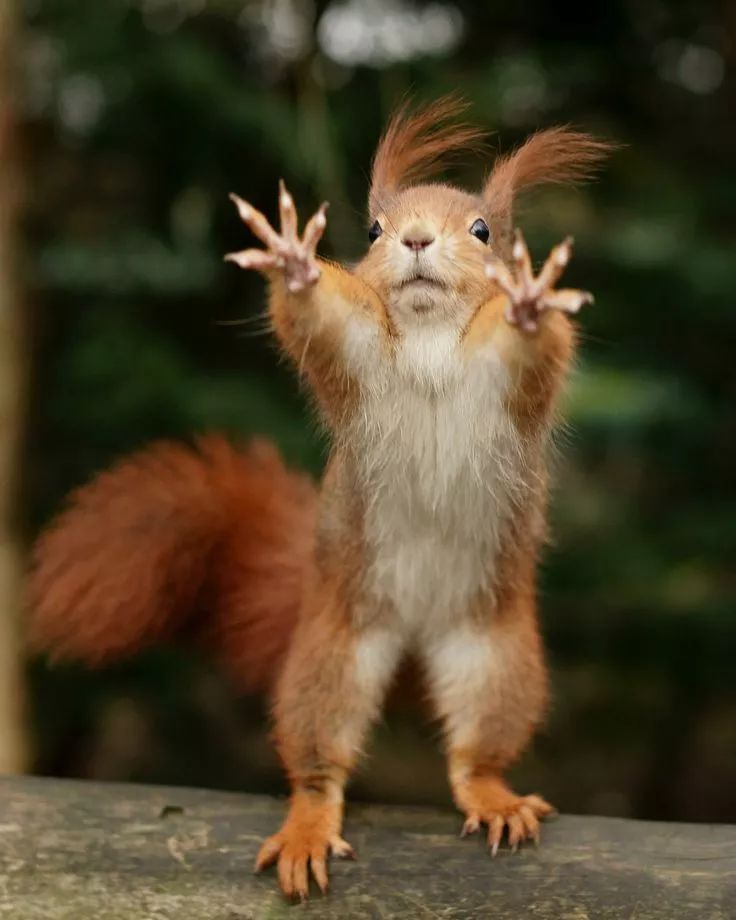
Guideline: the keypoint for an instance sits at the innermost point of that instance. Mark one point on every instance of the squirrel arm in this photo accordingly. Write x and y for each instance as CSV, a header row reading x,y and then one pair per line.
x,y
330,329
326,319
527,323
536,363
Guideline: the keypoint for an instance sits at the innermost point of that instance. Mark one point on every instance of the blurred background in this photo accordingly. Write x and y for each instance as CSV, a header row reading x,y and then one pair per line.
x,y
123,126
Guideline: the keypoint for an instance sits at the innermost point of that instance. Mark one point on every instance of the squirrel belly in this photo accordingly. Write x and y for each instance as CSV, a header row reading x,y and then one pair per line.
x,y
444,473
207,543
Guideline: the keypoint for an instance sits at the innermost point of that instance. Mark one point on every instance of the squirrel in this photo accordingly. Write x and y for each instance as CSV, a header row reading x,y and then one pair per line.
x,y
436,363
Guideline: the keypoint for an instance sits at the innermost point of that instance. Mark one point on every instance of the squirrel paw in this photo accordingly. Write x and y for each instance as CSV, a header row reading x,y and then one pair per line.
x,y
493,804
303,844
530,296
285,251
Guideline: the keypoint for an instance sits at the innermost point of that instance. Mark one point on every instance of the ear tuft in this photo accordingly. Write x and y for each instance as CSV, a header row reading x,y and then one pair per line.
x,y
416,145
557,155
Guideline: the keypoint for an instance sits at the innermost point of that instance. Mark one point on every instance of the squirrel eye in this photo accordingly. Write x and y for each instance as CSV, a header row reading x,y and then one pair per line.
x,y
480,230
375,231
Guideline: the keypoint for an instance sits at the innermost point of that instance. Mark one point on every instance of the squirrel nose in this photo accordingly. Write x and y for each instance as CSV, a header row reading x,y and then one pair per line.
x,y
416,238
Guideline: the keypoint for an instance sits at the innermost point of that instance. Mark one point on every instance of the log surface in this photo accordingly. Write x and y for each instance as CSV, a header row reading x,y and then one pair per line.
x,y
96,850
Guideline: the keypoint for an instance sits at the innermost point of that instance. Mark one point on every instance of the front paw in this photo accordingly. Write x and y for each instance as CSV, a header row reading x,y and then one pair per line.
x,y
530,296
295,257
488,801
310,833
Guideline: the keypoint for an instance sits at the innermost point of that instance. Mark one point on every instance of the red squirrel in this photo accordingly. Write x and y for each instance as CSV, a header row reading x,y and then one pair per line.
x,y
436,363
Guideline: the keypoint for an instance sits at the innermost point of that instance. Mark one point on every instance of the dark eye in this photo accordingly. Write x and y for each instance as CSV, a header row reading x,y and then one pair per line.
x,y
375,231
480,229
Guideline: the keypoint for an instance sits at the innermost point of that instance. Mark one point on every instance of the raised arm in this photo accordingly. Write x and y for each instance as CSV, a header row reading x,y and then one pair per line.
x,y
527,321
320,311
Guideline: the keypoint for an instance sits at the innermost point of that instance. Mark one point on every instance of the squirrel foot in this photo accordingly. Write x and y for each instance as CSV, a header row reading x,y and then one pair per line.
x,y
285,251
487,800
310,833
530,296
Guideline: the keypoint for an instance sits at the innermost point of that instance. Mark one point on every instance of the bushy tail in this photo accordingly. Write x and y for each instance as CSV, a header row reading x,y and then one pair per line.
x,y
210,543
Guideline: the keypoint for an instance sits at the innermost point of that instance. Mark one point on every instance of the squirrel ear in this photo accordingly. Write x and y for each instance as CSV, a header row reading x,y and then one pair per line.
x,y
415,145
557,155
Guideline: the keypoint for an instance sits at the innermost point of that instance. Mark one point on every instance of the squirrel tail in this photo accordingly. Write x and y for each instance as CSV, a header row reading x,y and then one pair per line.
x,y
210,544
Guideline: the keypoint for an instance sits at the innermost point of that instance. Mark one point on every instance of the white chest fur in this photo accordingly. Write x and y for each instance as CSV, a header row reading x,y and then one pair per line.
x,y
441,466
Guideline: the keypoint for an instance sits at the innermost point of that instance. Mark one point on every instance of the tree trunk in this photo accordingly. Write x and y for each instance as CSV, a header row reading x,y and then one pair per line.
x,y
12,389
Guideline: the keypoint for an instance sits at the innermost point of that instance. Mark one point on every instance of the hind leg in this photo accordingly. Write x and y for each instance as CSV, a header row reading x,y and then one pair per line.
x,y
489,688
331,688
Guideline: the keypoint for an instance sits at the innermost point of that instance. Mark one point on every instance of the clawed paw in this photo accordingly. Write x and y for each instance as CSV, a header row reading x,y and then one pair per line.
x,y
298,856
300,849
530,296
285,251
518,816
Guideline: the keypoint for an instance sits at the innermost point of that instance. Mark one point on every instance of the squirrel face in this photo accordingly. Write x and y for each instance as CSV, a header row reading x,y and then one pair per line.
x,y
429,244
429,241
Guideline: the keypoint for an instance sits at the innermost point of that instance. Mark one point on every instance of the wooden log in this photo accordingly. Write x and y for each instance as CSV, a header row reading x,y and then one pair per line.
x,y
87,850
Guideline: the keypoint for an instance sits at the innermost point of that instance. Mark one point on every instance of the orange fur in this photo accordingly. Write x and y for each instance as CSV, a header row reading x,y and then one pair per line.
x,y
424,537
557,155
486,799
142,550
538,364
416,145
307,331
309,834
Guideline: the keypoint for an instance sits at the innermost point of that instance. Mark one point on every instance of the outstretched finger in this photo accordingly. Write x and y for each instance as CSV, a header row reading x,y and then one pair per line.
x,y
258,259
285,870
531,823
539,806
315,228
516,831
567,300
258,224
300,877
554,266
287,213
495,832
497,271
522,260
319,869
341,848
268,853
471,825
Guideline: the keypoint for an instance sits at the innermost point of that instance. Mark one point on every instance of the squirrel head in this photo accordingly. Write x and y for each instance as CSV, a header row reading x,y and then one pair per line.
x,y
430,241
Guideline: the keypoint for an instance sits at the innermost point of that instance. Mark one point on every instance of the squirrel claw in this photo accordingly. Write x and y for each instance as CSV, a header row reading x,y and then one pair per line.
x,y
285,251
503,812
471,826
529,296
342,849
300,849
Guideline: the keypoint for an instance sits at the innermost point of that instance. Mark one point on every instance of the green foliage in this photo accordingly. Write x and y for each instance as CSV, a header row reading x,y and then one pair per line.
x,y
143,114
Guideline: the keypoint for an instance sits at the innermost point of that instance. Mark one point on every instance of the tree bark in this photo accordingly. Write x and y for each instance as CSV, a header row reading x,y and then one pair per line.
x,y
12,392
96,850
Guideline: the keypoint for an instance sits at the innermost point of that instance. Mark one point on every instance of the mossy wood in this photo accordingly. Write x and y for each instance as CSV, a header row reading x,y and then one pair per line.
x,y
107,851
